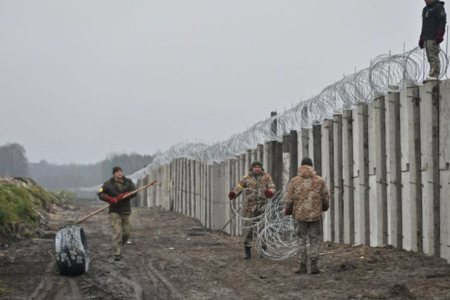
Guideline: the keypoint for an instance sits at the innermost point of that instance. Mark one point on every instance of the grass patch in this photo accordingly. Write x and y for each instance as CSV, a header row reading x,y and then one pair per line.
x,y
20,204
16,205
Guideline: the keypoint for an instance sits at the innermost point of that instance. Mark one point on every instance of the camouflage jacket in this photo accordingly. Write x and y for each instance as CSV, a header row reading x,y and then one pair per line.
x,y
256,186
307,195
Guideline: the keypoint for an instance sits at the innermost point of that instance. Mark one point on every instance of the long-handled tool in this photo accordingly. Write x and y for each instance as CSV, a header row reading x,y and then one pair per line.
x,y
105,207
232,217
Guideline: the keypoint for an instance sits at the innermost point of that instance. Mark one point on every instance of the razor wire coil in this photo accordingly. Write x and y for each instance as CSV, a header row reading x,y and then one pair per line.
x,y
276,237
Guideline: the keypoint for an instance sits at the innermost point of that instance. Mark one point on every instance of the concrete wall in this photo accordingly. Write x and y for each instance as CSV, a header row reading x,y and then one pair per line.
x,y
386,163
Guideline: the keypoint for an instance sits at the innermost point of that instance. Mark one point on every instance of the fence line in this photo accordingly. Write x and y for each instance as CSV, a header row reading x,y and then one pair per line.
x,y
380,141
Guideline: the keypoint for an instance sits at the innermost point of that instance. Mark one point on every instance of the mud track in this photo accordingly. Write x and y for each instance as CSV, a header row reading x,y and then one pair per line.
x,y
173,257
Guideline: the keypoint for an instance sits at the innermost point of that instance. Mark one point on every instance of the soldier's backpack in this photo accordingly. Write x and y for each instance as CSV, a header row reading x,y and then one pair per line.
x,y
71,251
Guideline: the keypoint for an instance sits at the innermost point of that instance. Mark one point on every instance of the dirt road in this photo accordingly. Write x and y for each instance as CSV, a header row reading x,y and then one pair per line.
x,y
173,257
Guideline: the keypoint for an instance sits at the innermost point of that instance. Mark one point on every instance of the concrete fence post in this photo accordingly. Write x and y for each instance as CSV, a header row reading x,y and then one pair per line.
x,y
410,168
185,186
209,200
198,189
240,171
202,179
267,163
294,154
328,176
179,187
347,161
248,159
444,168
260,153
361,174
286,177
317,148
381,193
429,141
376,230
394,175
305,144
338,181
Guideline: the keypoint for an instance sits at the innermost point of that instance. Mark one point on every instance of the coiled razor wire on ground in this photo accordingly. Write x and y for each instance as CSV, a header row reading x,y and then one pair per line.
x,y
386,73
273,232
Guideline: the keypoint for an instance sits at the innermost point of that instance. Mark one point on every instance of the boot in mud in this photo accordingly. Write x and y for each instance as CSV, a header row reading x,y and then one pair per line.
x,y
264,248
314,268
248,254
302,269
118,257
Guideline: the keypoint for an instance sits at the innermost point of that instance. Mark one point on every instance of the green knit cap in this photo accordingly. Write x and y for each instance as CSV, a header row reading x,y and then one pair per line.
x,y
116,168
256,163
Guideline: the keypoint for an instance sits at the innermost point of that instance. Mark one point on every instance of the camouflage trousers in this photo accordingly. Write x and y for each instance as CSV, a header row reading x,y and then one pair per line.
x,y
121,230
257,210
432,48
308,231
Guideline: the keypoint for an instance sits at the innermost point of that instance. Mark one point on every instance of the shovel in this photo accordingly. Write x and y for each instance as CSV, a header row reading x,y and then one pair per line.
x,y
106,206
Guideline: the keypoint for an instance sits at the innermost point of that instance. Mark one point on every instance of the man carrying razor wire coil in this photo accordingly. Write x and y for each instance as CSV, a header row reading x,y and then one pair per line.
x,y
259,188
306,199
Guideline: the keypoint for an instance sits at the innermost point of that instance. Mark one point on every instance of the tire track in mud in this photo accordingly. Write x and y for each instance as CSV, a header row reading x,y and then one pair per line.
x,y
45,284
111,279
53,286
161,287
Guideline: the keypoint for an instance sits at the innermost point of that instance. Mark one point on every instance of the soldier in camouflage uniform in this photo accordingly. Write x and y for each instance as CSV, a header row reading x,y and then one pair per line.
x,y
306,198
260,187
434,19
113,191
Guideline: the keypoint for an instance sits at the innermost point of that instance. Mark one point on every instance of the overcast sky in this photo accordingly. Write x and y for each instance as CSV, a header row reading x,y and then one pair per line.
x,y
82,79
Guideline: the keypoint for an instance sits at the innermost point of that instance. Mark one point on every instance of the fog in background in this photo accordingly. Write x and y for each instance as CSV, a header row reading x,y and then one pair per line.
x,y
82,79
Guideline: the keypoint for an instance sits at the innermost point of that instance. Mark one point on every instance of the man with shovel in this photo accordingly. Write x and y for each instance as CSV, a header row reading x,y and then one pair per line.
x,y
260,187
115,192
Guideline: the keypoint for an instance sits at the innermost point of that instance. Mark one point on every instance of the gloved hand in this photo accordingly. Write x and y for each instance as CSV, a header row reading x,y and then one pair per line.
x,y
231,195
421,42
121,196
440,35
111,200
287,212
268,193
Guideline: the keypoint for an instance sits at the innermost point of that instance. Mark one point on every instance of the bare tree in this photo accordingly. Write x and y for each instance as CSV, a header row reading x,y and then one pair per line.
x,y
13,161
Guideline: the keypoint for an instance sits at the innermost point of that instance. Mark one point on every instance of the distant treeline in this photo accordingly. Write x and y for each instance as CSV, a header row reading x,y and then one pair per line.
x,y
14,163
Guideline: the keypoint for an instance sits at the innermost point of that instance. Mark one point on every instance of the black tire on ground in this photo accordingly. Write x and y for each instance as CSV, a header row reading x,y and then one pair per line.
x,y
71,251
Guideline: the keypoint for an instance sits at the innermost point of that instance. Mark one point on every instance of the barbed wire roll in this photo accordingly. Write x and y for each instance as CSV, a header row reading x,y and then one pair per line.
x,y
386,73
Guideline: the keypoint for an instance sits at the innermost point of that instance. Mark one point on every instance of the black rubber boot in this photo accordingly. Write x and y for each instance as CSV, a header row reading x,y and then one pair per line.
x,y
264,247
314,268
248,253
302,269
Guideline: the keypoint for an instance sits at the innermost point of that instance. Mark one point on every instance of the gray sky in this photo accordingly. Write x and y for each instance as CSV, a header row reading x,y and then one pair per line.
x,y
82,79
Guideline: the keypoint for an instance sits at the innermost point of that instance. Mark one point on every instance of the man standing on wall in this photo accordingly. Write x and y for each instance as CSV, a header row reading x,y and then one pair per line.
x,y
260,187
114,191
434,19
306,198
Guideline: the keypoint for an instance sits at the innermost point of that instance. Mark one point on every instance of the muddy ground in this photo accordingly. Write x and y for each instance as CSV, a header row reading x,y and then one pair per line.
x,y
173,257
